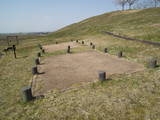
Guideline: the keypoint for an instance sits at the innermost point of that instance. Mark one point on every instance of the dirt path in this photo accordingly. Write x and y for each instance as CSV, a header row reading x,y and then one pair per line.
x,y
61,46
66,70
133,39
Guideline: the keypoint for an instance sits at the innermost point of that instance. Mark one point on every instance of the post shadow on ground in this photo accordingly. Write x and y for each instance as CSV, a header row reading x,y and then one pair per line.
x,y
104,82
41,63
40,73
38,97
103,77
34,98
153,63
27,95
35,71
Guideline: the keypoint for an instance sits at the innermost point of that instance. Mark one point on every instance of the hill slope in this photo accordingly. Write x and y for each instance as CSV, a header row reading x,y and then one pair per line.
x,y
123,97
141,24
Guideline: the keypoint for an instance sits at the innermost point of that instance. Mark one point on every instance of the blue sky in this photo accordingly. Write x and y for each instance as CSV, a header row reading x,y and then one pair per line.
x,y
48,15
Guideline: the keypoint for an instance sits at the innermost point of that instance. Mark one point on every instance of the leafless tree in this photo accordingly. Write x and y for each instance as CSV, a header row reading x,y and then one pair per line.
x,y
121,2
156,2
141,4
159,1
131,2
138,4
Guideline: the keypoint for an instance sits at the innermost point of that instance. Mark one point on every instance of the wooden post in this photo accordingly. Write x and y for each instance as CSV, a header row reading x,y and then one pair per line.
x,y
34,70
91,43
93,47
120,54
102,76
37,62
27,94
14,51
39,54
69,49
105,50
43,51
82,42
152,63
1,54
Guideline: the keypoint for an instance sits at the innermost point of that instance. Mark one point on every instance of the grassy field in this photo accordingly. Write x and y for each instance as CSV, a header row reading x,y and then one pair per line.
x,y
125,97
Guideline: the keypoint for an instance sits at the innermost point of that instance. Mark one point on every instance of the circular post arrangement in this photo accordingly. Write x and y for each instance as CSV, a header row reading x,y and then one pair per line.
x,y
102,75
120,54
152,63
27,94
91,43
93,47
34,70
39,54
105,50
37,62
69,49
82,42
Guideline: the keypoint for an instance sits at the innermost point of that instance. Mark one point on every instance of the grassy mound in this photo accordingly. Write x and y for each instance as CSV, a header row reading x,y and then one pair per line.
x,y
141,24
125,97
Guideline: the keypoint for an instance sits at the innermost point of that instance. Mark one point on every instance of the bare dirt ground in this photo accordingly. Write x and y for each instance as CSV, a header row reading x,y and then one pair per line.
x,y
60,46
64,71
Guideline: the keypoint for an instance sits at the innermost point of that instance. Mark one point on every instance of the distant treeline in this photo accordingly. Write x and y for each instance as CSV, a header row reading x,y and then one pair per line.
x,y
137,4
3,36
22,34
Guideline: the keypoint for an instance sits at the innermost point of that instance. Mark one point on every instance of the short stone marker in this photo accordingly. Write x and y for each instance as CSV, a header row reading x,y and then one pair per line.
x,y
34,70
39,54
43,51
69,49
37,62
152,63
105,50
93,47
82,42
102,75
27,94
1,54
120,54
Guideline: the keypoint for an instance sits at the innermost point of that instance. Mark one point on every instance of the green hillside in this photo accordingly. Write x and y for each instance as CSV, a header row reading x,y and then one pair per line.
x,y
133,96
142,24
